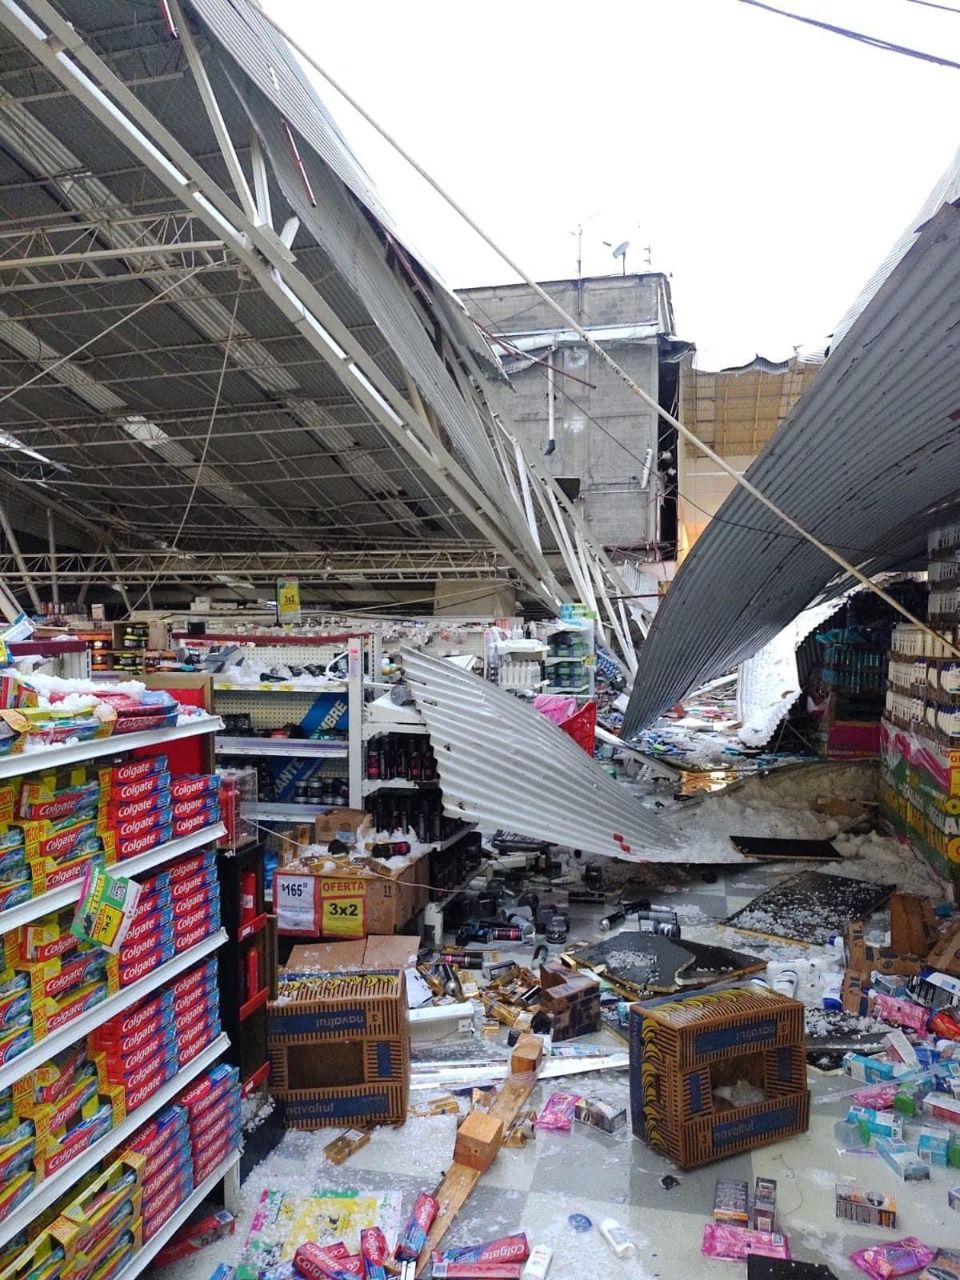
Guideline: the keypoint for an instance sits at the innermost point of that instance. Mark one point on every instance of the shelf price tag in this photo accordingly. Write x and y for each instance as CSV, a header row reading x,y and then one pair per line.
x,y
297,903
344,917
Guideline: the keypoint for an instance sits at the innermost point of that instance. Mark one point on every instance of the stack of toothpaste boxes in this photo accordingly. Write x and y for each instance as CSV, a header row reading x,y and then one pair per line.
x,y
51,826
58,1110
95,1230
56,826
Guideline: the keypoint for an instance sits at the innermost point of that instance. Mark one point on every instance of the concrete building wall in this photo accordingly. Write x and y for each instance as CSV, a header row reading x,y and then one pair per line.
x,y
602,432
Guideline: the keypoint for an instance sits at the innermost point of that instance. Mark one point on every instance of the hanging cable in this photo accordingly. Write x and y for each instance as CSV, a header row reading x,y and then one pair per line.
x,y
600,352
874,42
201,464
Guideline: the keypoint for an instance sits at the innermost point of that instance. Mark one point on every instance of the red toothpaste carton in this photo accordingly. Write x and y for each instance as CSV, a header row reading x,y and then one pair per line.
x,y
173,1197
205,971
374,1252
131,827
136,789
203,899
183,868
129,848
122,1047
196,821
203,913
212,1119
133,770
515,1248
163,1062
196,1235
175,1151
191,785
166,1127
131,951
143,928
199,804
316,1263
138,1096
187,997
203,1027
186,886
206,1091
477,1270
136,808
184,941
203,1168
143,966
132,1019
414,1234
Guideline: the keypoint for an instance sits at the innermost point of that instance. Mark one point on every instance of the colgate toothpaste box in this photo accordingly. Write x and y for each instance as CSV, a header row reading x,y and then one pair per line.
x,y
214,1118
198,804
215,1145
191,786
515,1248
93,1209
145,964
187,886
144,822
130,847
123,1065
137,789
41,801
184,941
206,898
57,978
138,807
192,863
155,922
131,951
187,1053
136,1097
163,1062
47,939
196,980
176,1150
315,1262
161,1207
132,771
121,1047
133,1019
210,1087
165,1127
186,826
201,913
195,1006
51,1015
47,873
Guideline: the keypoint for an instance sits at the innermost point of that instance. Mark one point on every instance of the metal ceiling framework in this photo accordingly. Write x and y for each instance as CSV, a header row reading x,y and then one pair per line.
x,y
869,458
182,226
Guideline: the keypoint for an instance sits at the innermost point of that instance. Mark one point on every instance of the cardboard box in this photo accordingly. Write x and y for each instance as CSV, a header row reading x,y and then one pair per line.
x,y
571,1000
339,1046
478,1140
374,952
683,1046
527,1054
350,906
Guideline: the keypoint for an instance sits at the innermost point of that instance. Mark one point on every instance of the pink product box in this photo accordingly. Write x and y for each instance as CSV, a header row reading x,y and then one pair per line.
x,y
904,1013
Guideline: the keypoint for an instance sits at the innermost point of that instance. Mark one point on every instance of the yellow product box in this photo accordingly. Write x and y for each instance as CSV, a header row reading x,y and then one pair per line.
x,y
46,939
98,1114
93,1211
8,801
53,799
58,979
51,1015
49,1083
49,1257
47,873
126,1235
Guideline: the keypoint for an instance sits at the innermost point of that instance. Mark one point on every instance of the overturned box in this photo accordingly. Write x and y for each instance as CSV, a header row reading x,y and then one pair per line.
x,y
684,1049
339,1048
571,999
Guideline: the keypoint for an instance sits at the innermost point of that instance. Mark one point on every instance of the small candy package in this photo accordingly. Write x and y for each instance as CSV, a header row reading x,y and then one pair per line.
x,y
558,1112
884,1261
726,1240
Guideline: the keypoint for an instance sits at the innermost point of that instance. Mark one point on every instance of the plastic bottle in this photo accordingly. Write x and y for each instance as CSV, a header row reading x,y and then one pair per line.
x,y
616,1238
831,980
538,1264
784,979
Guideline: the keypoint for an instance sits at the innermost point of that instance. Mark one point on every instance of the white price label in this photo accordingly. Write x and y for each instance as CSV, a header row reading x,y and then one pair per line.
x,y
296,903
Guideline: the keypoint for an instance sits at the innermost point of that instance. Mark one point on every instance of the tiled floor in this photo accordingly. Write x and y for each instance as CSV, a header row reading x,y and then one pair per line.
x,y
536,1189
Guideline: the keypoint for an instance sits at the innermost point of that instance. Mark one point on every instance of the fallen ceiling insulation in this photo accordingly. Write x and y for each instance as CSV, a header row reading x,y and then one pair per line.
x,y
503,764
868,459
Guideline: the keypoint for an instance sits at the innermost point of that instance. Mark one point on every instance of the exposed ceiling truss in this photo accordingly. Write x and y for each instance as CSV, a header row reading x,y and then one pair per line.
x,y
161,241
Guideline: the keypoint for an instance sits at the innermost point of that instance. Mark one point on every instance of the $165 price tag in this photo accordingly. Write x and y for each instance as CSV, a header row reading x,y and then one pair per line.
x,y
296,904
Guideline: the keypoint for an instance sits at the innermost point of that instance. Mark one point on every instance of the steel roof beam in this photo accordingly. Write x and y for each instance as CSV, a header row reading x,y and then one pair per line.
x,y
129,121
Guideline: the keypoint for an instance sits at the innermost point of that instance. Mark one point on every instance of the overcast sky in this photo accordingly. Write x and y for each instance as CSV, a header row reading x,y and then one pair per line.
x,y
769,165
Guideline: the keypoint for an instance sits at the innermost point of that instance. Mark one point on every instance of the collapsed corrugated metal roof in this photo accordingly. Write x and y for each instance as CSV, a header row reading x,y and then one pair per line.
x,y
503,764
866,460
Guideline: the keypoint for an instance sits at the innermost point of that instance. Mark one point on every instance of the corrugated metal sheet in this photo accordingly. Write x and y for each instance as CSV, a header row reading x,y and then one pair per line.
x,y
503,764
866,459
273,66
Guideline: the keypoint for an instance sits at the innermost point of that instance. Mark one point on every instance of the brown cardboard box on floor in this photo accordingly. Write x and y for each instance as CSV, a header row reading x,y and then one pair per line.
x,y
478,1141
377,903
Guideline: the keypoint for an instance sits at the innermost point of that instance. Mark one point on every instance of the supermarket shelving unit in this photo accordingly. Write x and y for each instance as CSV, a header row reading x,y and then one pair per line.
x,y
50,1189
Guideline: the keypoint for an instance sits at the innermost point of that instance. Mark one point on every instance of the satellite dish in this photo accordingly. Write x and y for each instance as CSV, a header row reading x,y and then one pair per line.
x,y
621,250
